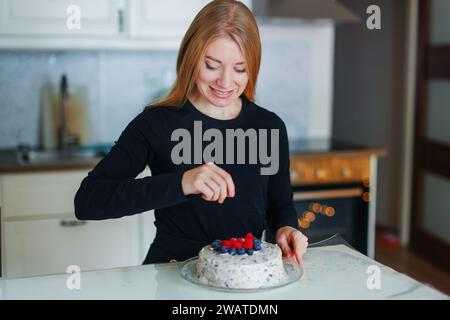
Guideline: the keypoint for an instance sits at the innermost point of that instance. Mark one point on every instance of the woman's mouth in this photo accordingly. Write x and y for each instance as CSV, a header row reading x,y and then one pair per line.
x,y
221,94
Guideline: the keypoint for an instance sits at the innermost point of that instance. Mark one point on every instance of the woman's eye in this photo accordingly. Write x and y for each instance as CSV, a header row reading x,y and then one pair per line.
x,y
210,67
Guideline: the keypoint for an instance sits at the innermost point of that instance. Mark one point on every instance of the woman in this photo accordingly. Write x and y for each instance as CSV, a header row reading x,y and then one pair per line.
x,y
197,201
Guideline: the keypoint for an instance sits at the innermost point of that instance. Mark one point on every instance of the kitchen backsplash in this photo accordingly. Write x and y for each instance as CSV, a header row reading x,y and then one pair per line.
x,y
121,83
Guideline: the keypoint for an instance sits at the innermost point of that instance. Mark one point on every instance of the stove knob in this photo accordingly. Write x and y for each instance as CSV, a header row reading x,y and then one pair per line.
x,y
294,175
320,173
346,172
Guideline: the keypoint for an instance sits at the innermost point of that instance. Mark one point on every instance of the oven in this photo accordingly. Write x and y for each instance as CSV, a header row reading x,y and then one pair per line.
x,y
334,193
326,210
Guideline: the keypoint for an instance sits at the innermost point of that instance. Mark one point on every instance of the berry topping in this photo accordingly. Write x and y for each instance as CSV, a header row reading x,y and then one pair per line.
x,y
215,244
225,243
234,242
223,249
240,246
248,244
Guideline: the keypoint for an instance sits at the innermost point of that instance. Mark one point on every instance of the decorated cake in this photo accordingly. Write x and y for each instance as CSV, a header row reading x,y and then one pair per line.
x,y
241,263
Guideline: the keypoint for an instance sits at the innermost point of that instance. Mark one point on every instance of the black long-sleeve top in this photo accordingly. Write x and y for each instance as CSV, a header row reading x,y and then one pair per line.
x,y
186,223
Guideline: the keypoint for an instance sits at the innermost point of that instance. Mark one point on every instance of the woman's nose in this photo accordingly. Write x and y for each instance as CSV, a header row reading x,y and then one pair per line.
x,y
224,80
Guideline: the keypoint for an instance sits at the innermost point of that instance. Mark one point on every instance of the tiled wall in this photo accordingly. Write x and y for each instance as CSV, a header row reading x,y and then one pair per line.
x,y
121,83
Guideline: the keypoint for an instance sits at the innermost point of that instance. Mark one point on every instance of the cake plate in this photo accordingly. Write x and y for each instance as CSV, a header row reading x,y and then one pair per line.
x,y
293,271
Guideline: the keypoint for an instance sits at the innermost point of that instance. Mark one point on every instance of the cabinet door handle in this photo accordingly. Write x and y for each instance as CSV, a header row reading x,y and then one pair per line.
x,y
120,21
72,223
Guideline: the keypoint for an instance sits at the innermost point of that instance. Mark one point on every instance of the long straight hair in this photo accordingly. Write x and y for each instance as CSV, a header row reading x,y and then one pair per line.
x,y
219,18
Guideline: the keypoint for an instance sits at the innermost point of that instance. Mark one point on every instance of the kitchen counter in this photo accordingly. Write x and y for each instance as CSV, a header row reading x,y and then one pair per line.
x,y
330,272
330,147
10,164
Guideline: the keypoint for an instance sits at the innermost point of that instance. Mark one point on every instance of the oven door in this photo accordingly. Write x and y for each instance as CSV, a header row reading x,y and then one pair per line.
x,y
326,210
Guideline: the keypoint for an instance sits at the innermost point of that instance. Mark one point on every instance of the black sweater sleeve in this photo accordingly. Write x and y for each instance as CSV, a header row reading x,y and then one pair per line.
x,y
281,211
111,191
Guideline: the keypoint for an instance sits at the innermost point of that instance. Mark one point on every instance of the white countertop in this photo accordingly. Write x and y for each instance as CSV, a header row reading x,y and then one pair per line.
x,y
331,272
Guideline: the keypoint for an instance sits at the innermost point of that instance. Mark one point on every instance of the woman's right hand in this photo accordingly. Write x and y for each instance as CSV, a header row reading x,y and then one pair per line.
x,y
209,180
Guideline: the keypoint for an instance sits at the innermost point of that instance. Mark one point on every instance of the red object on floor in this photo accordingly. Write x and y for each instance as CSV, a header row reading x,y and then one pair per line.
x,y
390,240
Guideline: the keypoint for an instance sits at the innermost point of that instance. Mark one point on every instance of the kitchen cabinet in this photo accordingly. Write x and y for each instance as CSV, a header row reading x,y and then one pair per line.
x,y
104,24
49,246
41,235
50,18
158,19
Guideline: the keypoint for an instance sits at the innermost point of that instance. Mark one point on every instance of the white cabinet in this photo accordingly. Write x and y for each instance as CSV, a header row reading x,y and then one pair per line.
x,y
164,19
50,17
40,194
49,246
40,234
104,24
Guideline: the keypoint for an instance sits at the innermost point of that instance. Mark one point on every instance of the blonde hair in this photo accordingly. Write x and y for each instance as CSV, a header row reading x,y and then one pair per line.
x,y
219,18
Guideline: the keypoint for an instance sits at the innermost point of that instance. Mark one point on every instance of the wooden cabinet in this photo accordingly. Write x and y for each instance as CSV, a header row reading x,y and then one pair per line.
x,y
41,235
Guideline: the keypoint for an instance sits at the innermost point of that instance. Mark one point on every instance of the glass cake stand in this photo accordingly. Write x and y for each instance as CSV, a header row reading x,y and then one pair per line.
x,y
293,271
331,241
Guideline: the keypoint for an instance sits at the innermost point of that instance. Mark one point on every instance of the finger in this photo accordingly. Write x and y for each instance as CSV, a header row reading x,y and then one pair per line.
x,y
207,193
225,175
214,187
299,245
282,241
222,184
298,256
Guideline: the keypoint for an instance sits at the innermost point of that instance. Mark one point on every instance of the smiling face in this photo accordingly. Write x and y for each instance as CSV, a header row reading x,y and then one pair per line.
x,y
223,75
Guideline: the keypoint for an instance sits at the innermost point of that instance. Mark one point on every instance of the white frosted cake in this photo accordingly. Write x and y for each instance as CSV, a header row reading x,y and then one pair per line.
x,y
233,269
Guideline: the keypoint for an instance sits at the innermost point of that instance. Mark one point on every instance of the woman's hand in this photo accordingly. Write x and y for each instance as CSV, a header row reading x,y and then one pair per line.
x,y
209,180
292,242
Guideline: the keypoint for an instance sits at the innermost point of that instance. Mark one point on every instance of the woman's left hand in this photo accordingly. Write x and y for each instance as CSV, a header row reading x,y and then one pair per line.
x,y
292,242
